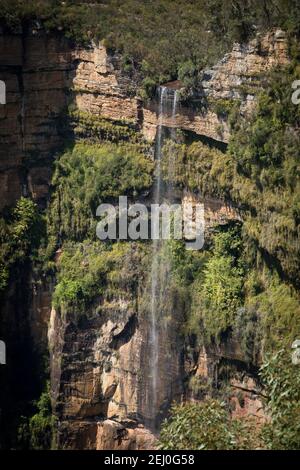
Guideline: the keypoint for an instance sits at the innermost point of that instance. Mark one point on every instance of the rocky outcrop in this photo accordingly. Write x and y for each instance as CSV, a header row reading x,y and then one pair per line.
x,y
113,436
100,361
203,122
244,393
99,377
216,211
100,89
43,75
236,79
239,75
36,72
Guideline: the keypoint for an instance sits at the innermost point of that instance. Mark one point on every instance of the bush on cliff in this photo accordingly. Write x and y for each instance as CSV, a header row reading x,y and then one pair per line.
x,y
206,425
217,292
281,381
88,175
20,232
158,40
88,271
41,424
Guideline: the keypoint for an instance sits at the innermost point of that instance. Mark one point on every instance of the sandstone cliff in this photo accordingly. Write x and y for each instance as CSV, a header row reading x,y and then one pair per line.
x,y
100,364
44,75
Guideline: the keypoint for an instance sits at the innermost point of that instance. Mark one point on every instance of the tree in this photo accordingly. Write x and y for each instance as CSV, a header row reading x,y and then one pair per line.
x,y
205,426
281,380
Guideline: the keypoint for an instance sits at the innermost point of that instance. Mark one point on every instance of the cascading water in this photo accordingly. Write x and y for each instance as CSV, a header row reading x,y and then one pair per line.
x,y
159,268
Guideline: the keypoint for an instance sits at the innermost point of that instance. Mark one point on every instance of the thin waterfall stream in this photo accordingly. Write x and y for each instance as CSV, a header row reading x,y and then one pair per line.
x,y
159,271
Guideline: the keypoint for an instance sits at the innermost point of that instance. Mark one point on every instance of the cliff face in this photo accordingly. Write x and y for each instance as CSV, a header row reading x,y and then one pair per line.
x,y
101,378
43,75
100,366
237,78
240,73
36,72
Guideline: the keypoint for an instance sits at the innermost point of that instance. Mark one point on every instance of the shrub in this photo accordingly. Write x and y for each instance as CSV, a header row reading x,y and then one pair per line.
x,y
41,424
281,381
218,292
89,271
204,426
88,175
20,233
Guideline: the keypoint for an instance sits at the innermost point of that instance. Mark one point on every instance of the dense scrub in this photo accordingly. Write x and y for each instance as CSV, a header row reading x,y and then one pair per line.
x,y
20,231
159,39
259,173
38,431
89,271
245,283
207,426
88,175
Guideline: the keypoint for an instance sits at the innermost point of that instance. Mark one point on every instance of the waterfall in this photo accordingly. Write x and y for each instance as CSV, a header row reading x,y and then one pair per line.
x,y
159,272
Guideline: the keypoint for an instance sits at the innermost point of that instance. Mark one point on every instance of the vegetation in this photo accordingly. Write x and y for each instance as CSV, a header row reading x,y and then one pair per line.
x,y
88,175
90,271
245,284
220,294
159,39
20,232
37,431
94,128
259,173
234,294
248,287
282,386
265,155
41,424
206,426
213,428
198,168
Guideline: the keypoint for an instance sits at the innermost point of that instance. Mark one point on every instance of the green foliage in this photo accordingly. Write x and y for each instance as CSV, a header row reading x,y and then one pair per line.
x,y
222,294
189,73
259,173
89,175
95,128
20,233
37,431
204,426
148,88
89,271
159,40
224,108
265,157
218,293
198,168
281,381
185,264
69,17
25,227
278,309
208,426
249,333
41,424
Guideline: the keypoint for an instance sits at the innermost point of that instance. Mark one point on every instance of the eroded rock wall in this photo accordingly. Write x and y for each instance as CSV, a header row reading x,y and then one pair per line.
x,y
100,362
45,74
36,70
99,385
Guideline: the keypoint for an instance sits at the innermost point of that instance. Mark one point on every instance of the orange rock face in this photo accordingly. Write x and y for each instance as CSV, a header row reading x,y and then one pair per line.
x,y
98,389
